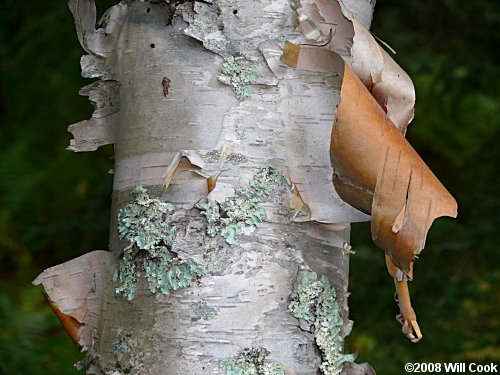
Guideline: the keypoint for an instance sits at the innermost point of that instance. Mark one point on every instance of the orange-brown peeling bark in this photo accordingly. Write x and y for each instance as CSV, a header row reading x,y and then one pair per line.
x,y
70,324
407,316
372,158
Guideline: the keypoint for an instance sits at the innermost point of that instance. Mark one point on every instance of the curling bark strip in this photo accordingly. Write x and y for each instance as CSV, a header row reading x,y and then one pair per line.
x,y
351,38
377,171
368,151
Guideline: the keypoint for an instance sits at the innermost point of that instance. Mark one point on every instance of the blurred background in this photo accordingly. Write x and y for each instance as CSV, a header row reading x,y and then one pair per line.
x,y
54,204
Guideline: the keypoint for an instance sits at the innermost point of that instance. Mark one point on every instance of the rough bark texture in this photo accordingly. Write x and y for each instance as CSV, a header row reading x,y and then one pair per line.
x,y
204,80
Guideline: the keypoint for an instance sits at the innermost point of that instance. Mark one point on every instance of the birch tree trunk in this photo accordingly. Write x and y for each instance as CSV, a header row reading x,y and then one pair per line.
x,y
195,93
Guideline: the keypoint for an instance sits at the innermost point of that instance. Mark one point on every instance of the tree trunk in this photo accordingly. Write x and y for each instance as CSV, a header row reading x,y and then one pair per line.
x,y
195,94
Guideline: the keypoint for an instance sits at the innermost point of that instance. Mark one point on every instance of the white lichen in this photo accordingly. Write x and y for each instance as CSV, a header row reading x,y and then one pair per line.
x,y
315,303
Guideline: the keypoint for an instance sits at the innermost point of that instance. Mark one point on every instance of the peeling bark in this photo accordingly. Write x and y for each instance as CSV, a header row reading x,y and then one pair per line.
x,y
204,105
376,169
76,289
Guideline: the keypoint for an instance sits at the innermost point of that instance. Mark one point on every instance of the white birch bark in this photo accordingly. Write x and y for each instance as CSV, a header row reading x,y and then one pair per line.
x,y
279,117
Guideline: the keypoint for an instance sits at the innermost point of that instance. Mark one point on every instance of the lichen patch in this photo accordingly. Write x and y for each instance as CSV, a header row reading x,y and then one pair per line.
x,y
267,180
122,345
315,304
201,310
251,361
215,156
238,73
144,225
243,211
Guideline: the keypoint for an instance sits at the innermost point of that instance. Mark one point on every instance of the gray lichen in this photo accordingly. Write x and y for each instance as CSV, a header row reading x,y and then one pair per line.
x,y
315,303
237,73
143,224
204,23
218,255
214,156
235,158
251,361
201,310
243,209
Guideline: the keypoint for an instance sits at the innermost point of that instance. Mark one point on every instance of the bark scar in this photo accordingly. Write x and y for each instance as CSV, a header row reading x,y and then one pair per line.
x,y
165,82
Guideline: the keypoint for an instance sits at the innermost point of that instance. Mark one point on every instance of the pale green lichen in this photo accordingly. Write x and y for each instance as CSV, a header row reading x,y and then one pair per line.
x,y
167,272
251,361
122,351
121,345
243,209
231,231
267,180
127,275
212,213
238,74
316,303
143,224
237,211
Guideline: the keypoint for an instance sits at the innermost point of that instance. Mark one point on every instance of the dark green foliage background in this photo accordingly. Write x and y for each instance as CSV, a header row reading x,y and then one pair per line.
x,y
55,203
